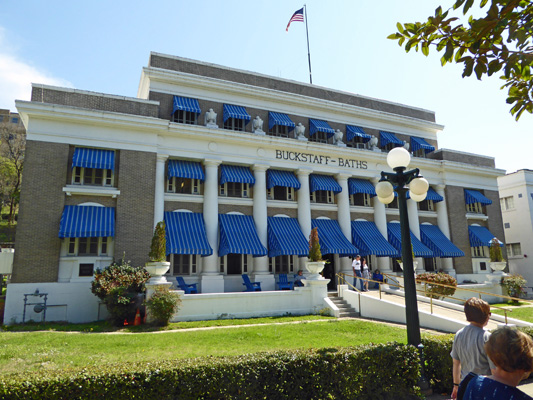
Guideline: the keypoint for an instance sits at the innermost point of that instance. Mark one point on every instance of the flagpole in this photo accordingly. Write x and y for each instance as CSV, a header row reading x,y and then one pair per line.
x,y
308,52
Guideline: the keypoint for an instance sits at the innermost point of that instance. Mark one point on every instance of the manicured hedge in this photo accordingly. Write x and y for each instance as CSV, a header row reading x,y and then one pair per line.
x,y
438,362
386,371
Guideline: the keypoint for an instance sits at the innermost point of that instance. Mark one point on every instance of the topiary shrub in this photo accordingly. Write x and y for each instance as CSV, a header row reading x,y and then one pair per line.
x,y
120,287
495,251
432,281
159,244
514,284
314,246
162,306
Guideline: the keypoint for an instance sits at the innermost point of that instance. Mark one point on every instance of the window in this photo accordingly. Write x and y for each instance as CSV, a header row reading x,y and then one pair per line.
x,y
281,264
420,153
279,130
480,252
280,193
92,176
507,225
234,264
430,264
234,124
235,189
361,199
88,246
320,137
507,203
357,143
389,146
426,205
475,208
183,264
514,250
185,117
323,196
183,185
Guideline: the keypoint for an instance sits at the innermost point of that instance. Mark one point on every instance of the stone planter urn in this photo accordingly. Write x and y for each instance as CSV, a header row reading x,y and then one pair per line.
x,y
157,270
314,268
498,266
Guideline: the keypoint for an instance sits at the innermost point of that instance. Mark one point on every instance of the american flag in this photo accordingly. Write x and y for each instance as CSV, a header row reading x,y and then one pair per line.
x,y
297,16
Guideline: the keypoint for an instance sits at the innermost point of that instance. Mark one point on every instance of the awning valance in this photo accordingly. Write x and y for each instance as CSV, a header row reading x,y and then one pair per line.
x,y
237,112
353,131
387,137
87,221
186,104
235,173
331,238
419,143
317,125
185,169
395,238
323,182
276,177
93,158
474,196
436,241
356,185
238,235
480,236
275,118
369,240
286,238
185,234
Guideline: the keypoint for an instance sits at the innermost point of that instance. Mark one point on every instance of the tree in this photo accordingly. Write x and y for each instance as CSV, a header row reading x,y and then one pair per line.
x,y
499,41
12,149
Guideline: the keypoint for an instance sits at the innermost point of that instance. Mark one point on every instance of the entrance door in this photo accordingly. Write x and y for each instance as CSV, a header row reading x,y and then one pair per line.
x,y
329,271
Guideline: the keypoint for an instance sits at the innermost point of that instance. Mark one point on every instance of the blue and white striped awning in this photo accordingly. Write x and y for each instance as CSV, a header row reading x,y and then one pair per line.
x,y
353,131
238,235
331,238
473,196
275,118
87,221
235,173
285,238
186,104
369,240
185,169
419,143
431,195
441,246
480,236
93,158
356,185
317,125
237,112
395,238
387,137
185,234
323,182
276,177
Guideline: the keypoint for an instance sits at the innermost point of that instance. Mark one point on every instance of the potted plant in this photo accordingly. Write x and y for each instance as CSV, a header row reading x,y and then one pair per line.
x,y
315,263
497,263
158,264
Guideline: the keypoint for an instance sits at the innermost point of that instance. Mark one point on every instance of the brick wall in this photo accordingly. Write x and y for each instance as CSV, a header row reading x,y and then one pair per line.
x,y
466,158
455,199
495,222
181,205
290,212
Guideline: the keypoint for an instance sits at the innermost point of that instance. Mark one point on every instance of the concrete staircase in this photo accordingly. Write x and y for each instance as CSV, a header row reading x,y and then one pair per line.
x,y
345,310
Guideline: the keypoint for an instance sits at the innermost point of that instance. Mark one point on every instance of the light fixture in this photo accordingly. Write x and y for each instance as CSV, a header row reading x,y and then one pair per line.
x,y
386,200
384,189
417,197
398,157
419,186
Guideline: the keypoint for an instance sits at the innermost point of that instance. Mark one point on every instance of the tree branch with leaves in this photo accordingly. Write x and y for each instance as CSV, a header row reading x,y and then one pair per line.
x,y
12,151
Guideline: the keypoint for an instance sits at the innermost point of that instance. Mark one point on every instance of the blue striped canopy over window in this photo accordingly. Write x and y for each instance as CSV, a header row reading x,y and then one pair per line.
x,y
93,158
235,173
185,234
237,112
317,125
87,221
238,235
441,246
286,238
474,196
387,137
356,185
395,238
353,131
185,169
431,195
419,143
281,119
369,240
276,177
480,236
186,104
323,182
331,238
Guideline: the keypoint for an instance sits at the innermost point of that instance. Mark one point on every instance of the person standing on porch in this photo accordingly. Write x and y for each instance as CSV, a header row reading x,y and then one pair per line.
x,y
356,266
365,273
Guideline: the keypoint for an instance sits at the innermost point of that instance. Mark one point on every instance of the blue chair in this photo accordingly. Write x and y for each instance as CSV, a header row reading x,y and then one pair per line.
x,y
188,289
284,282
251,286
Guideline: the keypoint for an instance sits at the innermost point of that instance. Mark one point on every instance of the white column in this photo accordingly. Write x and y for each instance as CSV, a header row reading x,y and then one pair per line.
x,y
304,207
212,281
414,226
345,220
380,219
444,226
261,273
159,195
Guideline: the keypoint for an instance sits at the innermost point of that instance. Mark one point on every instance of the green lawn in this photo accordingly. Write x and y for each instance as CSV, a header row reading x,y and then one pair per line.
x,y
22,352
520,312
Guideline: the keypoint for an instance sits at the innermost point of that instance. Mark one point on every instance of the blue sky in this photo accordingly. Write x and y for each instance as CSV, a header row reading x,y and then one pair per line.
x,y
102,46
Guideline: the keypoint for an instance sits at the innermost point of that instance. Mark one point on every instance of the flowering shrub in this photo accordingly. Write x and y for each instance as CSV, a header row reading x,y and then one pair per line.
x,y
514,284
163,305
437,291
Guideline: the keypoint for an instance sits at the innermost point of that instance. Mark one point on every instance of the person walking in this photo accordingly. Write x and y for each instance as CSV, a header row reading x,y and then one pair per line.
x,y
366,273
356,266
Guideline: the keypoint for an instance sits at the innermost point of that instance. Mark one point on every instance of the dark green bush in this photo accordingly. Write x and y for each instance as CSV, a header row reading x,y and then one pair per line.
x,y
438,362
163,305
